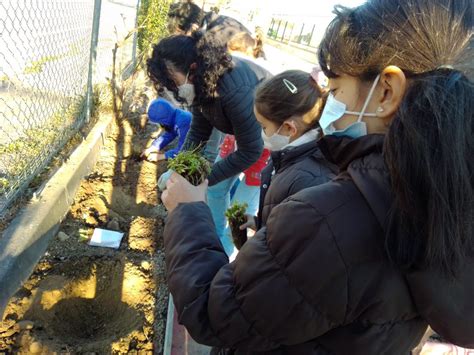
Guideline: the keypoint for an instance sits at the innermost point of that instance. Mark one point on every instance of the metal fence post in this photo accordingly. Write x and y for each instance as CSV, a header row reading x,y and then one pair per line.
x,y
301,34
278,30
135,37
291,32
270,30
311,36
93,56
284,30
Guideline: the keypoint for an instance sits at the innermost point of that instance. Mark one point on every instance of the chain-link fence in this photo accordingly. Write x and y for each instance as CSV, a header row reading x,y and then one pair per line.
x,y
47,68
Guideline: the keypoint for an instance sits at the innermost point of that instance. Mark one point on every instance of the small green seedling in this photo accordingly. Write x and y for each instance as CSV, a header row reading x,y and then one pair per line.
x,y
236,216
83,235
191,165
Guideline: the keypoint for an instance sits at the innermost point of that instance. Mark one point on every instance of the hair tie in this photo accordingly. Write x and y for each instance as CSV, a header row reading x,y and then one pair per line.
x,y
290,86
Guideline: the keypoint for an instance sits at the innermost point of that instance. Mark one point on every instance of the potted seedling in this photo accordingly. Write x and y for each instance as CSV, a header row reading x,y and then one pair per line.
x,y
236,216
191,165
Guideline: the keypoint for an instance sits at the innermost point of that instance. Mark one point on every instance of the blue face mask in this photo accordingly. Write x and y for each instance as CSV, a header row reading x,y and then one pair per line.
x,y
334,110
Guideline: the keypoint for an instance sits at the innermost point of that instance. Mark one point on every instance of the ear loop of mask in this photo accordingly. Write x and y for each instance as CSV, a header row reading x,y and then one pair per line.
x,y
369,96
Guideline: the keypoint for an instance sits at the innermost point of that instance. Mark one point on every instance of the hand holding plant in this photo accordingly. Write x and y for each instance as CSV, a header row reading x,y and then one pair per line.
x,y
190,165
179,190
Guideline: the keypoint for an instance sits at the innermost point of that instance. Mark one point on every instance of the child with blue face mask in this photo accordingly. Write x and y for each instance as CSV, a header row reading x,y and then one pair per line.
x,y
334,110
288,107
362,264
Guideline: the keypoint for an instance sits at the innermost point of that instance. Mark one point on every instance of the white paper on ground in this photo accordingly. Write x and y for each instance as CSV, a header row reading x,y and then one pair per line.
x,y
106,238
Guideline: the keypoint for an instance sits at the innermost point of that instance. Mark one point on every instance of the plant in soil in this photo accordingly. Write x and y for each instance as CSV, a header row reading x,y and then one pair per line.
x,y
191,165
236,216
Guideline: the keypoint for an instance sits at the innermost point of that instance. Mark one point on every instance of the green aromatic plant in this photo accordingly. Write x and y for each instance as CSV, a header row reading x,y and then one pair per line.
x,y
191,165
152,20
4,183
236,216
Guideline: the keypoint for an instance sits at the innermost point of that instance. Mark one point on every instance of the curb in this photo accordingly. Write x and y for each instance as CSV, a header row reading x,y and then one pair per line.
x,y
27,237
177,339
169,327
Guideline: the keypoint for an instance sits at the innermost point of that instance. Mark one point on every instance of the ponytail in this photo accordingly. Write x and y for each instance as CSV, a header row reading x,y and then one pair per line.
x,y
212,62
429,151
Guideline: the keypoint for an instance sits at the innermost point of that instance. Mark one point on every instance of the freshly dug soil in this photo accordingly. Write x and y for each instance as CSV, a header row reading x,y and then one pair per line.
x,y
83,299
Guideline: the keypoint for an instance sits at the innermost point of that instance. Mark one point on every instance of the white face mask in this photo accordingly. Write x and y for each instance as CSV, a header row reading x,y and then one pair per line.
x,y
186,91
276,141
335,109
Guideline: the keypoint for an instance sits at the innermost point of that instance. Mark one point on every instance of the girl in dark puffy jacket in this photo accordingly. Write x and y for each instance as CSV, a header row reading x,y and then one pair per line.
x,y
288,107
360,265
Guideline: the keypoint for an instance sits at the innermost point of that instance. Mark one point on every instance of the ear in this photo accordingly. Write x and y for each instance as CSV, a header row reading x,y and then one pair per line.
x,y
192,68
393,82
290,127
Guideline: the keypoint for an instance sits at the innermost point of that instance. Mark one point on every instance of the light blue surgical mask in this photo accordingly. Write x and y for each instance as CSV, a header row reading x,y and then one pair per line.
x,y
276,141
334,110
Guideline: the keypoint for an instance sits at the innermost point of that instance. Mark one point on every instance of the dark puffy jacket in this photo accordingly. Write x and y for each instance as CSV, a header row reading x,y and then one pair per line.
x,y
289,171
316,279
232,113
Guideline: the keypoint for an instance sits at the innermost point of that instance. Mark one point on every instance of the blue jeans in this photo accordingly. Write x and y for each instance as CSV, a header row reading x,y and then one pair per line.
x,y
218,200
211,150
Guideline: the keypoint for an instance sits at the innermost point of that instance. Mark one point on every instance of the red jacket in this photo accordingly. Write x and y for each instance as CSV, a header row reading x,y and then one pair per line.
x,y
254,173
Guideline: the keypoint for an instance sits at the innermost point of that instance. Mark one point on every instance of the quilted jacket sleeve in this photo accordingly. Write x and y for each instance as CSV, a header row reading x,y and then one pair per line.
x,y
199,132
238,107
279,290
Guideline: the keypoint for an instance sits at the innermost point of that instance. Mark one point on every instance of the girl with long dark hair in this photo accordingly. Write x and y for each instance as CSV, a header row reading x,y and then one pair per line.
x,y
364,263
220,91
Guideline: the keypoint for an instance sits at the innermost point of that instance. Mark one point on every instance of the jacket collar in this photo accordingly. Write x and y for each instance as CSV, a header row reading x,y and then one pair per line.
x,y
344,150
291,155
361,159
311,135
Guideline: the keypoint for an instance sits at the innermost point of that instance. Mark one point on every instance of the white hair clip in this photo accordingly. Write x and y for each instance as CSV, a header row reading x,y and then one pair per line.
x,y
290,86
445,66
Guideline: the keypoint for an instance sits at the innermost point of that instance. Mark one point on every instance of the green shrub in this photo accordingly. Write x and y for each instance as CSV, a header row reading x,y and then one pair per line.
x,y
152,22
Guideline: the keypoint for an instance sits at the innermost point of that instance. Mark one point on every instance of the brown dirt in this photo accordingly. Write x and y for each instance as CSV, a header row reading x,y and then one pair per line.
x,y
83,299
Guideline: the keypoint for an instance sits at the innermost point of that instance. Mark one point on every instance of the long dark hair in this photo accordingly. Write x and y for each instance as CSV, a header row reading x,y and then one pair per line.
x,y
179,53
183,15
275,101
429,147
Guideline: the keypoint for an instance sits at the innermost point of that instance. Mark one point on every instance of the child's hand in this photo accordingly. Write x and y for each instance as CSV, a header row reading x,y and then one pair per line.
x,y
156,156
250,223
150,151
179,190
153,154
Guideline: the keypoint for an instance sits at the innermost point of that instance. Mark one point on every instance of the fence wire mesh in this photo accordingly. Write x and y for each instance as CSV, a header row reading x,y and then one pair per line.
x,y
45,48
